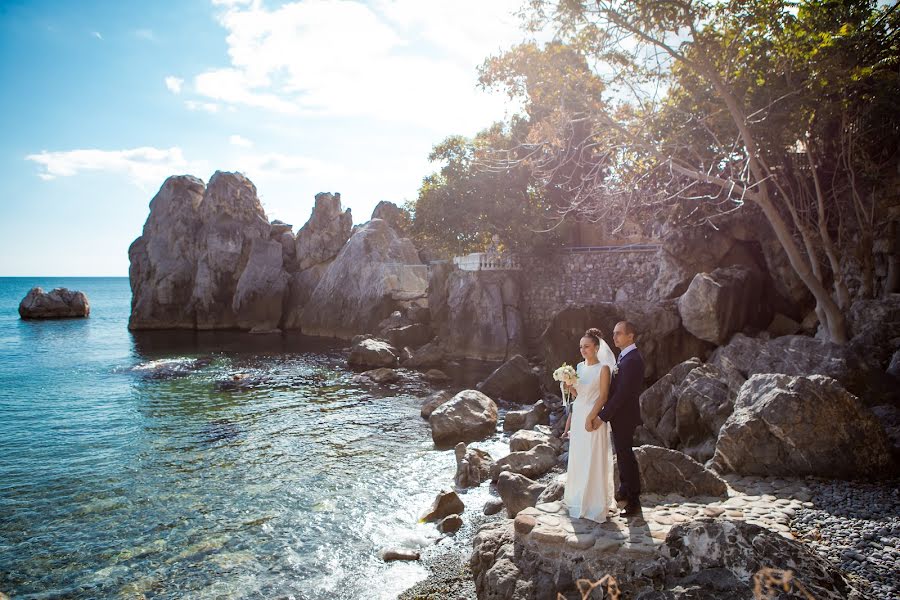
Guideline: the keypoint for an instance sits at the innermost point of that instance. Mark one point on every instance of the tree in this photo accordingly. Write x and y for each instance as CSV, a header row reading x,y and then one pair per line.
x,y
788,107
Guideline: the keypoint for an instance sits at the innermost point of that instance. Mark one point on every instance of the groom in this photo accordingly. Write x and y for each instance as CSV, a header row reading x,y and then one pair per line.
x,y
623,412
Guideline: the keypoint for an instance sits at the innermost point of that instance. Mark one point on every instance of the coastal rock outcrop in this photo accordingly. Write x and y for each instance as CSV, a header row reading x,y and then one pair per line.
x,y
513,381
58,303
374,271
467,417
259,295
473,466
518,492
797,426
721,303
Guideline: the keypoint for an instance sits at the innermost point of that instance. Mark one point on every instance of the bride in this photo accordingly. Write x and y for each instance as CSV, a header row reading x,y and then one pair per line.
x,y
589,484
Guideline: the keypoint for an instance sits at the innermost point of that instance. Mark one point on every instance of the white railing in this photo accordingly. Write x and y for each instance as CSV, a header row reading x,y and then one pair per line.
x,y
487,261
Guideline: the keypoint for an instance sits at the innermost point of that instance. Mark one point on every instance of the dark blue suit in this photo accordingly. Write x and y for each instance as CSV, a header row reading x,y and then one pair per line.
x,y
623,412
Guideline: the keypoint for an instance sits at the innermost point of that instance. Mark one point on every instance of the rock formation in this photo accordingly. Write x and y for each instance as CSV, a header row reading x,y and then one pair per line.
x,y
513,381
58,303
467,417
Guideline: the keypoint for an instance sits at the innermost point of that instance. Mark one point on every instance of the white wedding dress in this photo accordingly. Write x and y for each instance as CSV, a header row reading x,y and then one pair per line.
x,y
590,492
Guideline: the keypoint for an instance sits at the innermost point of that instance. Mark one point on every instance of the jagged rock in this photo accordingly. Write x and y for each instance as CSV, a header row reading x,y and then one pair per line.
x,y
392,554
538,414
683,254
396,217
801,355
231,217
665,471
662,340
411,336
518,492
372,352
797,426
392,321
705,400
467,417
163,260
721,557
58,303
513,381
526,439
554,492
278,228
531,463
361,286
473,466
382,375
259,296
436,376
450,523
434,401
446,503
483,320
721,303
658,404
326,232
429,355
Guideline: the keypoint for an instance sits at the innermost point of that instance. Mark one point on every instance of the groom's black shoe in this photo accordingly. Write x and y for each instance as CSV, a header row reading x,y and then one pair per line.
x,y
632,509
619,496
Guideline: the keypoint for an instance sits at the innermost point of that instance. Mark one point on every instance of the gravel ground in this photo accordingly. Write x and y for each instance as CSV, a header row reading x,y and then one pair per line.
x,y
856,526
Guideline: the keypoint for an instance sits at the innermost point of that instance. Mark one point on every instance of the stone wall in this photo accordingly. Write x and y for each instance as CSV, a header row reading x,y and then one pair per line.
x,y
550,282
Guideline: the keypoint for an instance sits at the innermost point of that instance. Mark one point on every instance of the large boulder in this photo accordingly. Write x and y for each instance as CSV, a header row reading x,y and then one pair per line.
x,y
723,302
163,260
719,559
517,492
446,503
803,355
665,471
467,417
430,355
411,336
526,439
531,463
231,217
364,284
513,381
483,318
372,352
662,340
705,400
435,400
798,426
473,466
659,401
58,303
539,414
259,296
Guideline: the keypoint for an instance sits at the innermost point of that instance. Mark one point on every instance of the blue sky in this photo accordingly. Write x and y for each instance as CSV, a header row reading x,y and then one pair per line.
x,y
102,100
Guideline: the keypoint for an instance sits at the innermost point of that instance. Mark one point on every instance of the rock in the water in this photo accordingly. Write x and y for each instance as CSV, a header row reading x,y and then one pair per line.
x,y
480,317
58,303
513,381
467,417
450,523
530,463
721,557
538,414
428,356
413,336
163,260
372,352
382,375
373,272
518,492
434,401
665,471
526,439
719,304
797,426
259,296
662,340
473,466
446,503
392,554
436,376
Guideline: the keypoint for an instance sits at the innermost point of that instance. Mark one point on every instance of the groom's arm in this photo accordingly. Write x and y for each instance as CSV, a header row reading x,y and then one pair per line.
x,y
628,385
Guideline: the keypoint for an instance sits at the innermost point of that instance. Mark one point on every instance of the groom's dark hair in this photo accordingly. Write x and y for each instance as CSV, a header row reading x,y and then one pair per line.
x,y
628,326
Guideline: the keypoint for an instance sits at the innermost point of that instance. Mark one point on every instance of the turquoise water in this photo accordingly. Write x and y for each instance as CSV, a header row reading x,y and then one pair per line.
x,y
136,465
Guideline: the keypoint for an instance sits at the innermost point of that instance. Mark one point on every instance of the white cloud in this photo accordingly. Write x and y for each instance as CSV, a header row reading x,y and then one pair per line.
x,y
410,61
174,84
210,107
236,140
144,166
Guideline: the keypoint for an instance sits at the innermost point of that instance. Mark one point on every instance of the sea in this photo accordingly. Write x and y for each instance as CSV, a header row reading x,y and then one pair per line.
x,y
181,464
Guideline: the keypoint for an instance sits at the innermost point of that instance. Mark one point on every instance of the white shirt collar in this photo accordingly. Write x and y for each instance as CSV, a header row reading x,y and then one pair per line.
x,y
626,350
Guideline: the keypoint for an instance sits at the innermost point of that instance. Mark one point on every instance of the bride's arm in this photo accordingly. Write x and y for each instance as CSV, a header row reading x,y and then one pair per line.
x,y
604,379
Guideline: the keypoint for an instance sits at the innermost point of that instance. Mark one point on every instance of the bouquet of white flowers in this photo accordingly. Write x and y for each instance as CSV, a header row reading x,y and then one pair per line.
x,y
565,375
